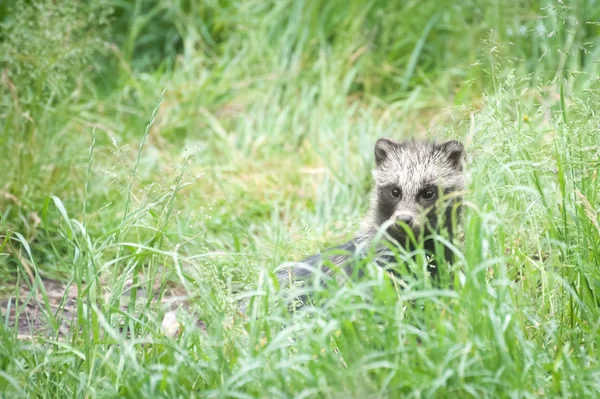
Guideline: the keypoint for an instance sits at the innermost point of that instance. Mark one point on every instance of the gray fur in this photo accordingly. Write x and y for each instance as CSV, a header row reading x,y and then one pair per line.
x,y
410,169
411,166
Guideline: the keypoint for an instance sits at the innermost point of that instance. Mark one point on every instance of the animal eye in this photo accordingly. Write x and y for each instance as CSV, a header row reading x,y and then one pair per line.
x,y
395,193
428,194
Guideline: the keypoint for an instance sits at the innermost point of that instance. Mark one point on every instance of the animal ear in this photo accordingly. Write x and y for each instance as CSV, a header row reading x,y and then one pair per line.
x,y
454,151
383,147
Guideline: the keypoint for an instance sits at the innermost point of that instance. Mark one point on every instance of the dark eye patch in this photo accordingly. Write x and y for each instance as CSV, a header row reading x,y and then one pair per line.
x,y
390,192
429,193
386,203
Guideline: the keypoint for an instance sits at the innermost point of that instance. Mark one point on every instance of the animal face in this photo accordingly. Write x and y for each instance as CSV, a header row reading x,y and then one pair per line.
x,y
413,180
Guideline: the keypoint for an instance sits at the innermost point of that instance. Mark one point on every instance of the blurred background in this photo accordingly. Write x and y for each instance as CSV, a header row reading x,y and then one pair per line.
x,y
276,104
262,114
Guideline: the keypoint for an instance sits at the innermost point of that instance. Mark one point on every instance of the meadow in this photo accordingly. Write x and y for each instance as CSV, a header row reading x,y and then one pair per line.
x,y
163,158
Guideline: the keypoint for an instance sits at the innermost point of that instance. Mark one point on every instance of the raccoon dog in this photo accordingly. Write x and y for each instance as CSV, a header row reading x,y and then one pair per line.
x,y
417,185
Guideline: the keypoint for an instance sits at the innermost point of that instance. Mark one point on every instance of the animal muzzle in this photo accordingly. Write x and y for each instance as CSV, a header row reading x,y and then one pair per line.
x,y
402,220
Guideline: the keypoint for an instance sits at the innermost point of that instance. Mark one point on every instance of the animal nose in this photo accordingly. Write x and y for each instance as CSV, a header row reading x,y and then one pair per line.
x,y
405,219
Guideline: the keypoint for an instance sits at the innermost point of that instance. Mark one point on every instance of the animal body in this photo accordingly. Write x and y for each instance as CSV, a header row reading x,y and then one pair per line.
x,y
417,185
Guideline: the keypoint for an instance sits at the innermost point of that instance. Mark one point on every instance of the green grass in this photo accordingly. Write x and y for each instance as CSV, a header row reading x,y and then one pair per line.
x,y
198,145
